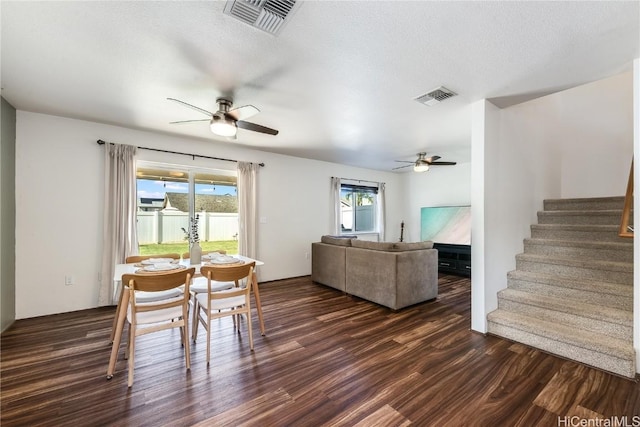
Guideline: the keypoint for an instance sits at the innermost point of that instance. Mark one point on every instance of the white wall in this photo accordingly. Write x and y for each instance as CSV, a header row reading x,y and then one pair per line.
x,y
59,180
550,147
7,215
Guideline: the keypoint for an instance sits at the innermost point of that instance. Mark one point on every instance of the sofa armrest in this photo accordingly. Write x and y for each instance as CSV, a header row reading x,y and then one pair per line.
x,y
328,265
416,277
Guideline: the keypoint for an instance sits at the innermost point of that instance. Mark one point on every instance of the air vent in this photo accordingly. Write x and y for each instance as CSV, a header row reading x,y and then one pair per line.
x,y
436,96
266,15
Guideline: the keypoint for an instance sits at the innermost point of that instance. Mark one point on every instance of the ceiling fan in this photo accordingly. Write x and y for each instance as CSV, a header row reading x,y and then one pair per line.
x,y
422,163
227,120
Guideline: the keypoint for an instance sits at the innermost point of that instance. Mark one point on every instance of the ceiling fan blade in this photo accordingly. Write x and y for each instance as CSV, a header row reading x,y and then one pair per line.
x,y
256,128
242,113
401,167
403,161
432,159
189,121
208,113
443,163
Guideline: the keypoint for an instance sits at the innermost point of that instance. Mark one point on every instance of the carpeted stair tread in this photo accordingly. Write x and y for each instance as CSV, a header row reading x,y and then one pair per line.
x,y
621,289
577,227
597,350
580,338
576,308
591,249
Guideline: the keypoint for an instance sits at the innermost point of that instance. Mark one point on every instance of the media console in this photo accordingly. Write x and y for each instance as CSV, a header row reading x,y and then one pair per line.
x,y
454,259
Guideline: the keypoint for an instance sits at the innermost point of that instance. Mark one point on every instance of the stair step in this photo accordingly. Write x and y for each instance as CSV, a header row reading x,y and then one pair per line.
x,y
613,295
598,217
610,271
605,251
599,233
597,350
590,316
594,203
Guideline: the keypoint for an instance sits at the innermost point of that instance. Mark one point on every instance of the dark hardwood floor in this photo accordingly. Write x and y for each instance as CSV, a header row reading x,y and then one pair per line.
x,y
327,360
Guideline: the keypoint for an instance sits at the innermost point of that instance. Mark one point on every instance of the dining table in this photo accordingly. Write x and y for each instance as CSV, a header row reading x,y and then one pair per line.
x,y
133,268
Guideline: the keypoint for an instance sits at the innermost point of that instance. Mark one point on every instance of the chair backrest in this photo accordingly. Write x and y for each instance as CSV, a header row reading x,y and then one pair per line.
x,y
232,273
187,255
138,258
159,281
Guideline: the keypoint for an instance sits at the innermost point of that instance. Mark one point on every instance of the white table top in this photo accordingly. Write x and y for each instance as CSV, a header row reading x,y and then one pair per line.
x,y
122,269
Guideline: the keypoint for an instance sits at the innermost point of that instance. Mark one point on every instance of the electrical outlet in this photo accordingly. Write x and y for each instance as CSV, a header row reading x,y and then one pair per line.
x,y
68,280
306,255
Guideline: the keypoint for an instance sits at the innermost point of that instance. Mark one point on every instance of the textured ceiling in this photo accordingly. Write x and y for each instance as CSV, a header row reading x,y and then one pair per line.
x,y
338,82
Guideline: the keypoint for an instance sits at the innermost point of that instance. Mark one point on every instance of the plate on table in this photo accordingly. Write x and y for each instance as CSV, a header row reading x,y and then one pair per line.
x,y
225,260
212,255
161,267
152,261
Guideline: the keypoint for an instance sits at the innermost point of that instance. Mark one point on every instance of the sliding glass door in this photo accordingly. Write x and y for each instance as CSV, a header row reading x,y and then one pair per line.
x,y
169,195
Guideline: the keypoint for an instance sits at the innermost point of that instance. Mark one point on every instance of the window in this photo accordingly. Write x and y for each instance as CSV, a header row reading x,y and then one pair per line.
x,y
169,195
358,209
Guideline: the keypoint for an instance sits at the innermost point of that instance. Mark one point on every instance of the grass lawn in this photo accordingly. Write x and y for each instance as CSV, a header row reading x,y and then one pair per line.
x,y
231,246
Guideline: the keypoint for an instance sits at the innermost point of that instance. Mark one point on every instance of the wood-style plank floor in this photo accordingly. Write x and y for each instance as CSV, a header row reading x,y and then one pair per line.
x,y
327,360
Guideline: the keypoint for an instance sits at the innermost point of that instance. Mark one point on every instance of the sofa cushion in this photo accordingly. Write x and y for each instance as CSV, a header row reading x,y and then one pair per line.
x,y
337,240
390,246
412,246
376,246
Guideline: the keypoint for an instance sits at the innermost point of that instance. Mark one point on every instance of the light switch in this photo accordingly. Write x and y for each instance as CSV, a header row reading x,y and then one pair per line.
x,y
263,220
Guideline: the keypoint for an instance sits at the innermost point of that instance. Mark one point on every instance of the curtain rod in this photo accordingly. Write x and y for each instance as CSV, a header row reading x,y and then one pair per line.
x,y
360,180
101,142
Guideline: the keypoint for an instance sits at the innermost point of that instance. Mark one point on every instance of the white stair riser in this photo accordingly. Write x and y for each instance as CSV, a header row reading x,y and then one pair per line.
x,y
622,302
573,271
616,330
602,361
602,254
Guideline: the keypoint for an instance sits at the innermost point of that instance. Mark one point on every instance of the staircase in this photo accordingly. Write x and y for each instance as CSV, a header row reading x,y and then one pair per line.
x,y
571,293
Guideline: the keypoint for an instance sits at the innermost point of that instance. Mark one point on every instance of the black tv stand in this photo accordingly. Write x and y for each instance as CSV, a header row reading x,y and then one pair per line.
x,y
454,259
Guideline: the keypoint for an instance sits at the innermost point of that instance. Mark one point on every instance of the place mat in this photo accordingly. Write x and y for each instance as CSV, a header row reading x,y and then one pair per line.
x,y
150,271
146,263
224,264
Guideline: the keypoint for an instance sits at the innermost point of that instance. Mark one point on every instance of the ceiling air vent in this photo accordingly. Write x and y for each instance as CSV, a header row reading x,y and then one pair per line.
x,y
265,15
436,96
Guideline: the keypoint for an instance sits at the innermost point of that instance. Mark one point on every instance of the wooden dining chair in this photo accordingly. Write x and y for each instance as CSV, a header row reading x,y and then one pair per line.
x,y
142,297
229,302
148,317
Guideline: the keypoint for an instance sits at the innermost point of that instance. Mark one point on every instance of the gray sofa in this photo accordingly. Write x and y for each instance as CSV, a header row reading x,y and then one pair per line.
x,y
394,275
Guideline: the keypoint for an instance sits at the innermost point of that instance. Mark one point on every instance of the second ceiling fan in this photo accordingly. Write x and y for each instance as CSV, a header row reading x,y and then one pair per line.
x,y
227,120
422,163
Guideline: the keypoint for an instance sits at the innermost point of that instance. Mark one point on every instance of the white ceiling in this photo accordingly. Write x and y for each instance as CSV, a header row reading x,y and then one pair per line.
x,y
338,82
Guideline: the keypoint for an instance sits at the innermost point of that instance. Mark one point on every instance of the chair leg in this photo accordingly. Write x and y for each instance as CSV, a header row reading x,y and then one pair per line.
x,y
194,324
249,326
208,336
185,338
132,352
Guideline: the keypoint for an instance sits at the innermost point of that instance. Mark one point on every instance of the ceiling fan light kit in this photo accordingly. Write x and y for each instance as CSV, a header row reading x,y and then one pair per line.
x,y
223,127
420,167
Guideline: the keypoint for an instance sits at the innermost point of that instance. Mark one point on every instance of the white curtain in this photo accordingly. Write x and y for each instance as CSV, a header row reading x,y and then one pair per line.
x,y
119,230
381,212
335,202
247,208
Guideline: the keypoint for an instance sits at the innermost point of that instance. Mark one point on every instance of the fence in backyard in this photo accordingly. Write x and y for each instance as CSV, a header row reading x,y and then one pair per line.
x,y
166,227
